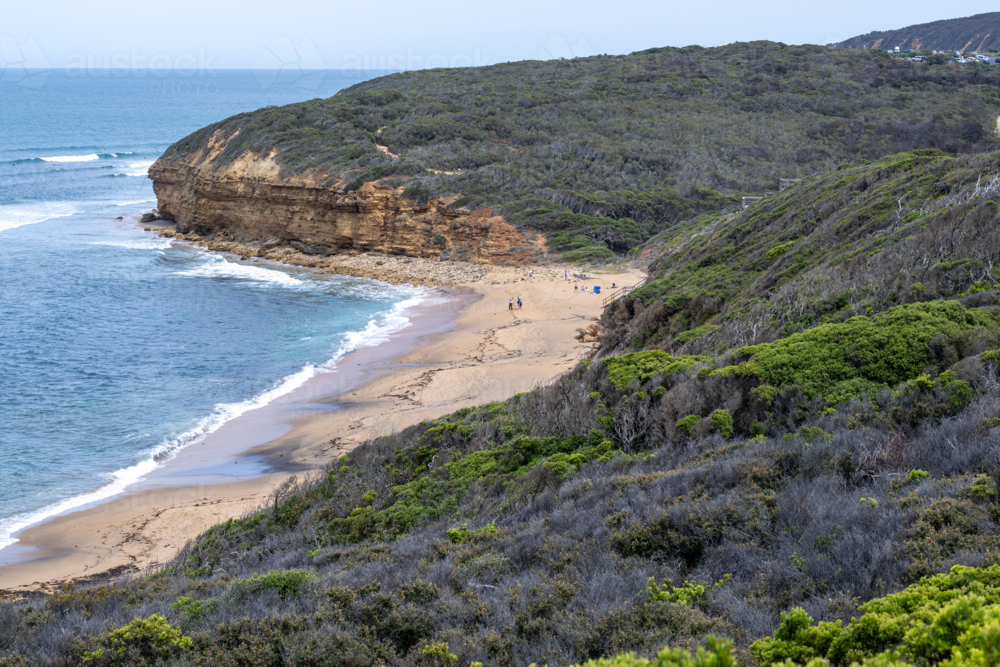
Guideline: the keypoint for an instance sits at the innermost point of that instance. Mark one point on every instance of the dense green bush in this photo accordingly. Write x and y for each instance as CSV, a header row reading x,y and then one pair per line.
x,y
723,421
838,361
645,365
141,642
421,494
948,619
716,655
286,583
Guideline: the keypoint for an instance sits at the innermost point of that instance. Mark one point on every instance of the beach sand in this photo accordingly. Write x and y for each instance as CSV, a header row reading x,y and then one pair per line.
x,y
464,349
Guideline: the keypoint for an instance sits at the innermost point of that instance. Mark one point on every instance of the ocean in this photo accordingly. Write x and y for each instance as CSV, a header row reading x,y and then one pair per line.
x,y
118,348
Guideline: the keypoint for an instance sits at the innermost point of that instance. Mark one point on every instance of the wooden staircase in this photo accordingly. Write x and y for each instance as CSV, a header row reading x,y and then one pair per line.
x,y
622,291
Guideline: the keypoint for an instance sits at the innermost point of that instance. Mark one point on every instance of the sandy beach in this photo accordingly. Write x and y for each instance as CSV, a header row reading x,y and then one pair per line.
x,y
464,348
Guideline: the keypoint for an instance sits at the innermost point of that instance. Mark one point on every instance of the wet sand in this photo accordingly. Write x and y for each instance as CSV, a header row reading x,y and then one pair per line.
x,y
463,349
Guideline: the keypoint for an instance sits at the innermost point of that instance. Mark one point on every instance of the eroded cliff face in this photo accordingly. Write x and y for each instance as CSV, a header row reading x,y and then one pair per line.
x,y
250,201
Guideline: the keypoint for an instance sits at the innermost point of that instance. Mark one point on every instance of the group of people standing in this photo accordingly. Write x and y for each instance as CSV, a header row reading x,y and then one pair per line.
x,y
510,304
568,273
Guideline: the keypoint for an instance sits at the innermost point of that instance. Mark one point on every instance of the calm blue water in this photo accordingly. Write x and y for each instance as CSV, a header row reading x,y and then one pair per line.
x,y
117,347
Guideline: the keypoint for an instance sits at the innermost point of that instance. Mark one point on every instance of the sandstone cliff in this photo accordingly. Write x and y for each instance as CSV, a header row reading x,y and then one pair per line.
x,y
250,201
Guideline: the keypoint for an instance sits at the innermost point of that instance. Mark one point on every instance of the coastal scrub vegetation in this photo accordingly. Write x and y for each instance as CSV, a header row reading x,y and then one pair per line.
x,y
732,501
602,153
784,451
907,229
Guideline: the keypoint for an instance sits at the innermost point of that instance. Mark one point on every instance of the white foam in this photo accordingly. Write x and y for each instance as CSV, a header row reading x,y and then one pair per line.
x,y
137,244
18,215
121,479
139,168
378,330
217,267
131,203
225,412
72,158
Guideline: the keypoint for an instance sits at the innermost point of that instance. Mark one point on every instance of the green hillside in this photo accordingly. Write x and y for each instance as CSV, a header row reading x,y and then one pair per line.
x,y
602,153
758,499
971,33
640,502
857,240
785,451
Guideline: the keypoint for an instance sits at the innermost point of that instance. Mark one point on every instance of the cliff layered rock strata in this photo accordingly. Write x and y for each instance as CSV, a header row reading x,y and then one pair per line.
x,y
250,201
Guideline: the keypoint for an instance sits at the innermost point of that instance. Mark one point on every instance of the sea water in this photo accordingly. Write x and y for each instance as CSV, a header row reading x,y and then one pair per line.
x,y
118,348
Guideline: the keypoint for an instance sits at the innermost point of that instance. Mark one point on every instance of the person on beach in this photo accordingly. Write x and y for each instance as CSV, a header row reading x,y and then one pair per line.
x,y
613,285
574,287
510,304
519,303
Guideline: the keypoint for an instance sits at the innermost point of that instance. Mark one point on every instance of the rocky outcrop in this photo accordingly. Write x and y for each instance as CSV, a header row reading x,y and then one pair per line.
x,y
249,201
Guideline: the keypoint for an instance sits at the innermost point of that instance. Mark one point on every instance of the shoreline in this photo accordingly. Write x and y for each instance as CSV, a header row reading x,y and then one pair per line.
x,y
395,269
465,350
205,464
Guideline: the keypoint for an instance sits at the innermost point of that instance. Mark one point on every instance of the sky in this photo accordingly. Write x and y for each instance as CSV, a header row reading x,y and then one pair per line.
x,y
202,35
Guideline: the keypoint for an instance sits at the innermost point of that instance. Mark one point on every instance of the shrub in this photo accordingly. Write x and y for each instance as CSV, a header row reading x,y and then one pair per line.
x,y
814,434
143,641
888,349
697,333
418,192
194,610
439,653
779,250
287,583
688,423
419,592
723,421
688,594
431,494
945,527
644,365
766,393
955,615
716,655
86,600
458,535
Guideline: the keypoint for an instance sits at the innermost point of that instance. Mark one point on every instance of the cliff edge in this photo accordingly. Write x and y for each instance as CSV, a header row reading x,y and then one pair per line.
x,y
250,200
597,155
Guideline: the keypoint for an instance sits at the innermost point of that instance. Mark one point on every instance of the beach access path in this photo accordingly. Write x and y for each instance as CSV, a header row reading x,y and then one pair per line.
x,y
466,350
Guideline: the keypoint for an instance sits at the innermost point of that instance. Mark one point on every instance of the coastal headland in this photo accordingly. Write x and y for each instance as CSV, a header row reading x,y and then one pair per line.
x,y
465,347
